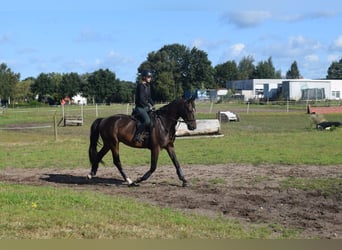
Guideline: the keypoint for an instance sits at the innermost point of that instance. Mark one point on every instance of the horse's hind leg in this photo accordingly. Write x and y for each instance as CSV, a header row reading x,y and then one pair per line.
x,y
117,163
95,164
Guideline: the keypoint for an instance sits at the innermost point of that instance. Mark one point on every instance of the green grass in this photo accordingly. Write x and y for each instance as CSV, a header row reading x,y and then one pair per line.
x,y
44,212
286,138
328,186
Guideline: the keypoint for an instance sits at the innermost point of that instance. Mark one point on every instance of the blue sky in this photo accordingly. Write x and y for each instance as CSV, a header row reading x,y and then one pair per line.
x,y
41,36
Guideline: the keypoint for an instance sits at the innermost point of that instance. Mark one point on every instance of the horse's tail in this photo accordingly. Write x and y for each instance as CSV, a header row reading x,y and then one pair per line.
x,y
94,137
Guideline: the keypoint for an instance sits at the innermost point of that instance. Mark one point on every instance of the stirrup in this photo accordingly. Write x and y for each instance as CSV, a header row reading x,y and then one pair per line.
x,y
138,138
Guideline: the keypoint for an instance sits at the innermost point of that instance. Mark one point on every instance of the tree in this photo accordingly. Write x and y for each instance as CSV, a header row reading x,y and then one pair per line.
x,y
46,86
224,72
246,68
124,93
102,85
200,71
84,87
8,80
265,70
177,69
70,85
335,70
166,65
293,72
22,90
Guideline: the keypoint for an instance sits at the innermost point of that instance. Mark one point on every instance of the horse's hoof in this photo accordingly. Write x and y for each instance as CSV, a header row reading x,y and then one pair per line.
x,y
185,184
90,176
129,181
133,184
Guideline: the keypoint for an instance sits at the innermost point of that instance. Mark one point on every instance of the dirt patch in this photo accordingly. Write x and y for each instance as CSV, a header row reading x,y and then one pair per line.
x,y
26,126
244,192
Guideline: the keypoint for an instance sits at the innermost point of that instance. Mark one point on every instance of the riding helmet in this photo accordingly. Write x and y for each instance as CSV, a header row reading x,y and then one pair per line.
x,y
146,73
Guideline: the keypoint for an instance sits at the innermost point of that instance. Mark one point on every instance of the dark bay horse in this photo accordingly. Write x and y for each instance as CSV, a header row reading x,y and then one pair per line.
x,y
121,128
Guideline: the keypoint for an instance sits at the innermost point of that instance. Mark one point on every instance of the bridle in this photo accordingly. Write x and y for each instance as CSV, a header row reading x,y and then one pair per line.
x,y
178,121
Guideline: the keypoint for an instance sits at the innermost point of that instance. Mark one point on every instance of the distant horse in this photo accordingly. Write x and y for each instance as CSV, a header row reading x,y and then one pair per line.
x,y
121,128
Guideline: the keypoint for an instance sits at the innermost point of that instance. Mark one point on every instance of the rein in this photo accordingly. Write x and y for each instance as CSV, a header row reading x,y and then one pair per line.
x,y
162,112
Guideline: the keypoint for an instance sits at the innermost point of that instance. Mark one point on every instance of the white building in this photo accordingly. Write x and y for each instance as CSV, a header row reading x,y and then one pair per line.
x,y
288,89
78,99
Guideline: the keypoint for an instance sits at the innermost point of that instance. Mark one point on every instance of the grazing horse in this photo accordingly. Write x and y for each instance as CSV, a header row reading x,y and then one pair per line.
x,y
121,128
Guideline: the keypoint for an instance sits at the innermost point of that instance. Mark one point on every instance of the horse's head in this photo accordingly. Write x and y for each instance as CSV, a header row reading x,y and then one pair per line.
x,y
188,113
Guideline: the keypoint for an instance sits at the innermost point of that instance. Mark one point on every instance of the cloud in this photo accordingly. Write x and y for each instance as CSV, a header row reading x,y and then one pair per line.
x,y
113,59
198,43
333,58
118,58
295,46
5,38
246,19
305,16
237,49
253,18
88,35
337,44
311,58
24,51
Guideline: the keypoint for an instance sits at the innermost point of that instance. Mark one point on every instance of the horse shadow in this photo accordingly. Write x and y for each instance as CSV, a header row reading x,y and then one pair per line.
x,y
81,180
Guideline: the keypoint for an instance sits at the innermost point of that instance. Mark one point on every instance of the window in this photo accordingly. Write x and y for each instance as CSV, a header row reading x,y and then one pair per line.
x,y
336,94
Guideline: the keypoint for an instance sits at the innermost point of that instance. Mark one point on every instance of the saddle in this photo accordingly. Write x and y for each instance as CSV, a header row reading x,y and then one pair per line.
x,y
145,135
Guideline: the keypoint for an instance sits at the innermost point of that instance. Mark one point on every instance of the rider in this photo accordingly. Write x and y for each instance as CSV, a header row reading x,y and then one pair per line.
x,y
143,104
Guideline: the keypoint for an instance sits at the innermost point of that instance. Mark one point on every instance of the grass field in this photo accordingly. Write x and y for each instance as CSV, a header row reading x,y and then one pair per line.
x,y
260,137
263,136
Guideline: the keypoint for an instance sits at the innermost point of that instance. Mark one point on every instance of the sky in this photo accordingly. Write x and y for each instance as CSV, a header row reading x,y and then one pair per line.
x,y
64,36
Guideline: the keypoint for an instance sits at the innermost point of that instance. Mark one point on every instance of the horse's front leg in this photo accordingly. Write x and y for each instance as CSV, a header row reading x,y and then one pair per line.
x,y
154,160
171,151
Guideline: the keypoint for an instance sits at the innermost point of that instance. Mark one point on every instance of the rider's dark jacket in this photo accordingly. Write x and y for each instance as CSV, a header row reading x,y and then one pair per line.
x,y
143,96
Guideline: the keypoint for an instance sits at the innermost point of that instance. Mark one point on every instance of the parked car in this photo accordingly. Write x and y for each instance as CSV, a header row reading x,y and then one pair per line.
x,y
227,116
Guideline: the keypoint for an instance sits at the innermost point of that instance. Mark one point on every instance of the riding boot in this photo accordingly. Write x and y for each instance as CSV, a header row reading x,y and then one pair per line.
x,y
138,133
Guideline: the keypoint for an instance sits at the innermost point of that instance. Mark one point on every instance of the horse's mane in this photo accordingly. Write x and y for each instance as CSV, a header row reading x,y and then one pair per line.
x,y
166,108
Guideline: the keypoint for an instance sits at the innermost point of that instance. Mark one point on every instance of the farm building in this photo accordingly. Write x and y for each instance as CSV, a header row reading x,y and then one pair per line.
x,y
79,99
289,89
255,88
210,94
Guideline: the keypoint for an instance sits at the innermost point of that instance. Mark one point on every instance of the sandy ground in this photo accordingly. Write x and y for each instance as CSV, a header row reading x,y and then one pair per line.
x,y
250,194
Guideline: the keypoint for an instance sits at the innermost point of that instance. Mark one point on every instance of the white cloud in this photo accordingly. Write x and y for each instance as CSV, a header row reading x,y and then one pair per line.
x,y
305,16
311,58
198,43
237,49
337,43
118,58
295,46
333,58
252,18
245,19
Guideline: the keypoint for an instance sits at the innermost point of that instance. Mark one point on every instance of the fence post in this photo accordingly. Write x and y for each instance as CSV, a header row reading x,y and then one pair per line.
x,y
55,126
211,106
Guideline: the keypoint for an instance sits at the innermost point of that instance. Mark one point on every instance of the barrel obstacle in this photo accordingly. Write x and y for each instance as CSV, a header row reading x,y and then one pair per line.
x,y
206,127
